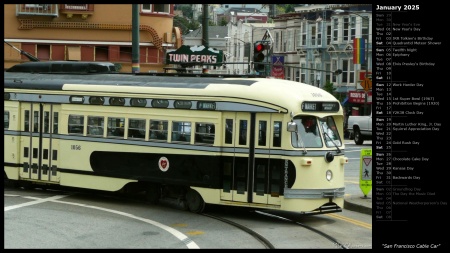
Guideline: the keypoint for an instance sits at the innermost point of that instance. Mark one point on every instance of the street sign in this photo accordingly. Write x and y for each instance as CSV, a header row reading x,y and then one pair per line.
x,y
366,84
365,180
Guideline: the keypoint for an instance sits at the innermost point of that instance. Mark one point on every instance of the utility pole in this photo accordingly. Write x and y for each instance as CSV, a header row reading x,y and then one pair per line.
x,y
205,21
135,68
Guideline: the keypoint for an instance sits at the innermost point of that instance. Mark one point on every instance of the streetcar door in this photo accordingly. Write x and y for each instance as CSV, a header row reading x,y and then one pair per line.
x,y
39,145
268,165
262,158
236,140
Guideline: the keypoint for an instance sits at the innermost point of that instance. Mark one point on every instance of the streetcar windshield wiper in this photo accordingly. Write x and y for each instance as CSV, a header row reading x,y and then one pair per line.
x,y
326,134
334,143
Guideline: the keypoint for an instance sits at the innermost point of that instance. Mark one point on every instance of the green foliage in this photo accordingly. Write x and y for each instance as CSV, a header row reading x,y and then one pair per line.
x,y
280,9
223,22
288,8
118,66
186,9
184,24
329,88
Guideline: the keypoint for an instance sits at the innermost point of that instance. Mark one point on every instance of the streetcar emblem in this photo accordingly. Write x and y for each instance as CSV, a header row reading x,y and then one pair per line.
x,y
163,164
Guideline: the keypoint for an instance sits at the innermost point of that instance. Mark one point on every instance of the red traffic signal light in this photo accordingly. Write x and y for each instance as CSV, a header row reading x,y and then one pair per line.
x,y
259,47
258,55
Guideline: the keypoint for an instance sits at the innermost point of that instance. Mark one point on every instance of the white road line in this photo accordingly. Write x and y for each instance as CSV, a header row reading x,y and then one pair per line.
x,y
37,201
183,238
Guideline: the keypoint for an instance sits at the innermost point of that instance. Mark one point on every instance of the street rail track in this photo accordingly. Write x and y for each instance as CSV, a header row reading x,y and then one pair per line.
x,y
336,242
253,233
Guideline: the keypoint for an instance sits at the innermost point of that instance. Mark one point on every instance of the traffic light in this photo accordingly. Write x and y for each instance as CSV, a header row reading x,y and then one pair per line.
x,y
258,56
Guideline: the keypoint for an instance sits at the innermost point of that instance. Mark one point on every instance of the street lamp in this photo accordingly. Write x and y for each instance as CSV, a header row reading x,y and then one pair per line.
x,y
366,56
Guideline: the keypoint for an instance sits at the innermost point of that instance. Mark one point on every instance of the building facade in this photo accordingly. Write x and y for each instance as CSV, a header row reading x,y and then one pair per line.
x,y
240,42
90,32
317,44
315,41
319,40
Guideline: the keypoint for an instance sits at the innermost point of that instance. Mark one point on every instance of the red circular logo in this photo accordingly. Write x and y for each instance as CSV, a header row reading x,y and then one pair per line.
x,y
163,164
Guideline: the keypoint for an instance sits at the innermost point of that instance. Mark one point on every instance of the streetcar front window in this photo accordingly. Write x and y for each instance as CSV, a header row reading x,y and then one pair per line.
x,y
330,132
308,133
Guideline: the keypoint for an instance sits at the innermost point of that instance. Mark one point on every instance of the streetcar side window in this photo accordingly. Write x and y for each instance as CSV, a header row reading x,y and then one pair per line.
x,y
181,131
136,128
76,124
6,120
158,130
55,122
95,125
242,132
36,122
116,127
26,127
262,133
277,133
229,131
204,133
46,122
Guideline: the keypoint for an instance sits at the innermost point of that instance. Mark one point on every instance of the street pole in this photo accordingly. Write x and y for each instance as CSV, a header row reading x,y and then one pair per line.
x,y
365,76
135,66
366,61
249,49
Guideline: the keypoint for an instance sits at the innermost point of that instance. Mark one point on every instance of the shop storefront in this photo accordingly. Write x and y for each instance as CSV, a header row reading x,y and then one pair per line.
x,y
355,104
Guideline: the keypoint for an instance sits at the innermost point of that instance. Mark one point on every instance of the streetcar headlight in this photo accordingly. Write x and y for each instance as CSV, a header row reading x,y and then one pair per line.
x,y
329,175
329,157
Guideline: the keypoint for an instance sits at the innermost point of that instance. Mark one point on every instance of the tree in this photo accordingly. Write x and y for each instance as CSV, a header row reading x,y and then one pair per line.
x,y
184,24
223,22
330,89
186,9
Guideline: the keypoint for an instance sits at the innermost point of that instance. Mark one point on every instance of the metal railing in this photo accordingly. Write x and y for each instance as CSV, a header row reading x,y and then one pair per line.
x,y
37,9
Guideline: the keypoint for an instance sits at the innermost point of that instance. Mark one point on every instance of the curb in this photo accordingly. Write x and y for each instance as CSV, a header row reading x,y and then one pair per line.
x,y
357,208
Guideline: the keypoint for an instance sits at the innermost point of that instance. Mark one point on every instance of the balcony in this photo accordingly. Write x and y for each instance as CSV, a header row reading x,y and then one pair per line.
x,y
76,9
37,10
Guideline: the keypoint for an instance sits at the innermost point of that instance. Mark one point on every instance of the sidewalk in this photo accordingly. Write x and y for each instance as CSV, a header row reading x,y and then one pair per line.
x,y
358,203
354,199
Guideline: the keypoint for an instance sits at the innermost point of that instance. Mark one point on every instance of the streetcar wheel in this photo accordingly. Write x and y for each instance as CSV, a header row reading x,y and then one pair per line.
x,y
195,202
153,194
358,137
26,185
11,183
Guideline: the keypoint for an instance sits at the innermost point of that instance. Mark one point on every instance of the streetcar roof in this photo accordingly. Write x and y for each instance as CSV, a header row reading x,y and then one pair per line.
x,y
279,92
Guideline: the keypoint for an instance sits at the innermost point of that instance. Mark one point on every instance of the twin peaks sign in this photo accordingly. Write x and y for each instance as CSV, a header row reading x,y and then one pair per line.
x,y
190,55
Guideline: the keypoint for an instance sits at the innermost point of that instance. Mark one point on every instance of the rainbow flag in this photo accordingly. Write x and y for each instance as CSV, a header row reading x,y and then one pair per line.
x,y
358,51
